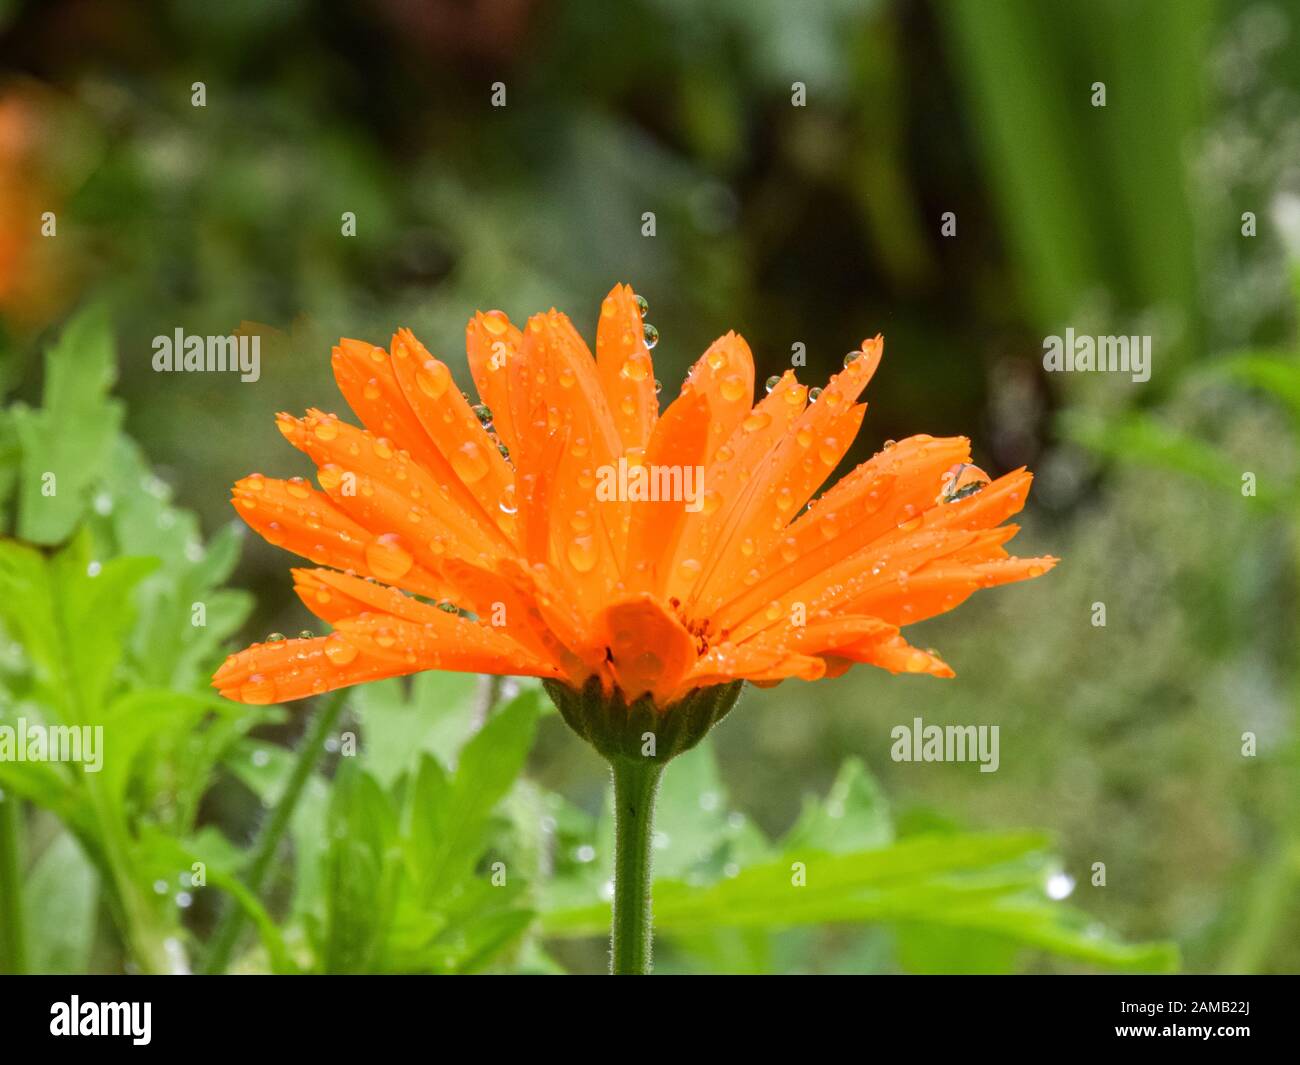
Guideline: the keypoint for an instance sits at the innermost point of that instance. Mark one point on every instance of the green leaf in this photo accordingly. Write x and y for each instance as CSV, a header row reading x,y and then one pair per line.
x,y
854,816
71,436
489,763
1275,373
436,718
1139,438
62,893
991,883
71,617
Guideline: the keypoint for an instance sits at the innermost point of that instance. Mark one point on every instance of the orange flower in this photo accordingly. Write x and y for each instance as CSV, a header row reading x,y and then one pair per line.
x,y
514,538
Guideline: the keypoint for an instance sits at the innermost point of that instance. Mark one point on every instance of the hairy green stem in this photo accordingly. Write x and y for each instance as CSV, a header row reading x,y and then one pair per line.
x,y
636,783
13,943
232,922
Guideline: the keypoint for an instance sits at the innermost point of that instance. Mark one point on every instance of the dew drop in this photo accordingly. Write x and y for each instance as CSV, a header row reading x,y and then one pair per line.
x,y
433,378
469,462
651,335
772,382
582,553
851,358
814,394
642,305
636,368
758,420
325,429
732,387
960,481
340,652
387,558
507,500
275,637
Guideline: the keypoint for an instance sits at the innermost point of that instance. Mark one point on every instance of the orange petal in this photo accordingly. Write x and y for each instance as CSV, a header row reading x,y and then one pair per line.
x,y
367,379
625,367
870,503
383,489
729,479
448,642
588,536
674,459
294,669
295,516
650,650
724,375
455,429
491,343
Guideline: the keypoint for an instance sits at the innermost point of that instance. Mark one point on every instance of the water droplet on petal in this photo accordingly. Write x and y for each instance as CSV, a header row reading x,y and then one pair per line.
x,y
275,637
960,481
732,387
772,382
387,558
469,462
651,335
339,651
507,500
582,553
851,358
642,305
636,368
814,394
433,378
258,690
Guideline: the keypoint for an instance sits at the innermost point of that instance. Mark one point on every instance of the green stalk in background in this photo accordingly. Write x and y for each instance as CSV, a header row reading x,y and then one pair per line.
x,y
232,923
13,944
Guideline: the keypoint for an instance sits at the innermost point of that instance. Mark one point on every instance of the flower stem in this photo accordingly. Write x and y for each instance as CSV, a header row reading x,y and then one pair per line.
x,y
636,783
328,712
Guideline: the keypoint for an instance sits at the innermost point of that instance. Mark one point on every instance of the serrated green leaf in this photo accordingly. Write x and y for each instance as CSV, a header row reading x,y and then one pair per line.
x,y
70,437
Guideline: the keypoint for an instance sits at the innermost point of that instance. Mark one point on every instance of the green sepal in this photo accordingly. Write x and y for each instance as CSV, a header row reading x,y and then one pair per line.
x,y
618,729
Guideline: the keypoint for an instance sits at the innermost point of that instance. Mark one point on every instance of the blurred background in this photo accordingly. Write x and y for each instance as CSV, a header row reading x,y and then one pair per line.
x,y
799,159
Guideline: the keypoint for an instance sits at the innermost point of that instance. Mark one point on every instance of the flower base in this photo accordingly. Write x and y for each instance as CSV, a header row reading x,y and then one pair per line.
x,y
641,730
